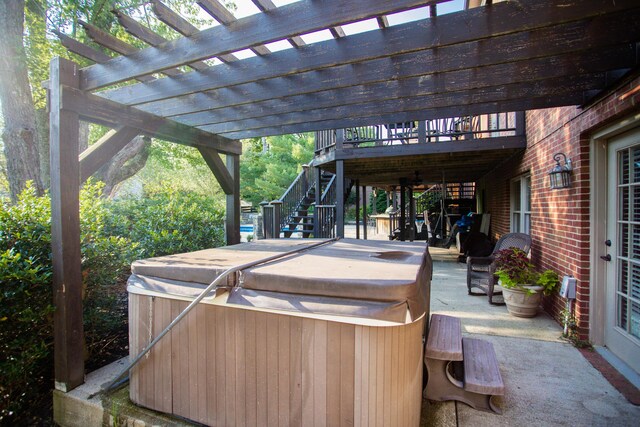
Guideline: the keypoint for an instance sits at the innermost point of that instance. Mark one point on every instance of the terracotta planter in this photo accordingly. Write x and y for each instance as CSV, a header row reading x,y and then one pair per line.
x,y
520,303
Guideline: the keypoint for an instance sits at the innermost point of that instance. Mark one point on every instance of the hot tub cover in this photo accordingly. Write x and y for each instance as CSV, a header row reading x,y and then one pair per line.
x,y
375,279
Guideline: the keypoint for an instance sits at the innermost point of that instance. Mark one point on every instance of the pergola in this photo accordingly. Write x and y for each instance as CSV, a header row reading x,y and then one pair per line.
x,y
508,56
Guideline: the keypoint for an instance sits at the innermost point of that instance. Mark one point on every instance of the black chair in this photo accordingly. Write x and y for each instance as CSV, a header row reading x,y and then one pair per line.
x,y
481,270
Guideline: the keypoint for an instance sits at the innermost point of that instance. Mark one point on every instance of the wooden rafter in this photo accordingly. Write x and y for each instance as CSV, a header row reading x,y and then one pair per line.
x,y
554,90
406,44
223,16
92,107
105,39
383,22
423,113
267,5
148,36
88,52
293,19
182,26
499,74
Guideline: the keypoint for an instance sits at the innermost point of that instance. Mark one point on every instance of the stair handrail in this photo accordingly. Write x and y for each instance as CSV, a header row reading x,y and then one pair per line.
x,y
329,193
293,197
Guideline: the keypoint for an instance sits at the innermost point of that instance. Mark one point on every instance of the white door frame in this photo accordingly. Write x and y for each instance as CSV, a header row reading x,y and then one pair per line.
x,y
598,222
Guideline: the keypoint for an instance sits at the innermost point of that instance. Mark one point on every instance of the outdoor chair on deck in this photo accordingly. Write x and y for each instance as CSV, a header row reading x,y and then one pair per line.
x,y
481,270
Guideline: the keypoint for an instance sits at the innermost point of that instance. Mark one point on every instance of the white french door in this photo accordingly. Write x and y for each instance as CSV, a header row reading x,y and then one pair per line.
x,y
622,330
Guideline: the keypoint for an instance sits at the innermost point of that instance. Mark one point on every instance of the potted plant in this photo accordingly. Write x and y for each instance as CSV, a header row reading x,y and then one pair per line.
x,y
522,284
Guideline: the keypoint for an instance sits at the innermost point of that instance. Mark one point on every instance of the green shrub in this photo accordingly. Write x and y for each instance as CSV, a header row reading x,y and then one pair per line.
x,y
25,333
26,322
168,222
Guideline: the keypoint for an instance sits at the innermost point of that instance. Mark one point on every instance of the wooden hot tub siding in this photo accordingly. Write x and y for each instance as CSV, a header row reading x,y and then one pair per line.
x,y
225,366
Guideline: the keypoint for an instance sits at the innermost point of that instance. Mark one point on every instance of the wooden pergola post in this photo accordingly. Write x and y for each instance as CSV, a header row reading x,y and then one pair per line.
x,y
233,201
65,230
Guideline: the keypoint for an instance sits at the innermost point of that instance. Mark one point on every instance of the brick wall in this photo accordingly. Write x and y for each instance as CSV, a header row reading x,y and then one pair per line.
x,y
559,218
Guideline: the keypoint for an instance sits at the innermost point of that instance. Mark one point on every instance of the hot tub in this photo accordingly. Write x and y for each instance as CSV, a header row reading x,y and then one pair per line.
x,y
331,336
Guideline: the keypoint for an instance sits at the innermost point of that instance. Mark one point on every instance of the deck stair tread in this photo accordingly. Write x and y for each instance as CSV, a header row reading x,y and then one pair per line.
x,y
445,338
293,225
481,371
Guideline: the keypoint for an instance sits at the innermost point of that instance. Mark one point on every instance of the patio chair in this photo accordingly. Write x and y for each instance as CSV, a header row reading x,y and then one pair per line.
x,y
481,270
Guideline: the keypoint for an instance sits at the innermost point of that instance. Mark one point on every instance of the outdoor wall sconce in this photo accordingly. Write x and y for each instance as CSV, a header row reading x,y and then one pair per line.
x,y
560,176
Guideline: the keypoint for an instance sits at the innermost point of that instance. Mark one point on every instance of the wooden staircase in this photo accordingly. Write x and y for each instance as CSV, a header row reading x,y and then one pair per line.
x,y
301,219
294,214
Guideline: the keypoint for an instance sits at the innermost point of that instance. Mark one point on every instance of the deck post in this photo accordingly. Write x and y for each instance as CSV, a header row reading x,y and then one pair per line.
x,y
403,211
340,198
520,123
266,224
317,175
394,199
412,216
233,201
357,209
277,213
364,212
65,230
422,132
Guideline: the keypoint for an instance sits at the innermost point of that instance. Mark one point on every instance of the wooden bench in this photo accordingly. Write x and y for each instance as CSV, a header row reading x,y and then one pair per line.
x,y
462,369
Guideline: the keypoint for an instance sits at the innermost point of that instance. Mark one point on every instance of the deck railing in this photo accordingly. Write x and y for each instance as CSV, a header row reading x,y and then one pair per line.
x,y
325,139
325,221
429,131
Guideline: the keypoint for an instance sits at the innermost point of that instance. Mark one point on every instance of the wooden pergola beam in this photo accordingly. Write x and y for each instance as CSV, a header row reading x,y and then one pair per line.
x,y
88,52
223,16
267,5
455,81
90,106
418,113
405,44
217,166
148,36
105,39
286,21
103,150
406,102
182,26
469,57
383,22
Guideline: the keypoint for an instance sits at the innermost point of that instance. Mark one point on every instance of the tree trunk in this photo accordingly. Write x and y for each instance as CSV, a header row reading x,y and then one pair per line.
x,y
125,164
20,135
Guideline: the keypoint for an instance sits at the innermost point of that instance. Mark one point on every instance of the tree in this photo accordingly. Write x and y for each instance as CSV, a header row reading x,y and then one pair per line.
x,y
25,53
267,175
20,136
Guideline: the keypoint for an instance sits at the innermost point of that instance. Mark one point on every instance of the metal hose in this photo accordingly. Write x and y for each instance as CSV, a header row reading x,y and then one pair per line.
x,y
199,298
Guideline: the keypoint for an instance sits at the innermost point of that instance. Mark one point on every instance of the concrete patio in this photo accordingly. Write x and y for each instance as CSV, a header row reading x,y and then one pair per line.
x,y
548,381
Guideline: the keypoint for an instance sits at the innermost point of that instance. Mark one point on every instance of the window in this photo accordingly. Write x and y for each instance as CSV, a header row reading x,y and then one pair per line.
x,y
521,205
